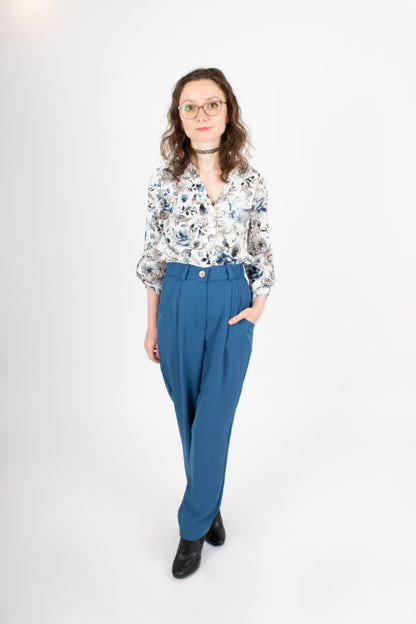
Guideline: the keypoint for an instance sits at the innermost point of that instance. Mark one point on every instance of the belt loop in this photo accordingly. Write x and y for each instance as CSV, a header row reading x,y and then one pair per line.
x,y
185,271
229,271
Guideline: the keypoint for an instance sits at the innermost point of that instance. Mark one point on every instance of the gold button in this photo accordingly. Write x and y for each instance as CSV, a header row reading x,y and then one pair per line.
x,y
202,274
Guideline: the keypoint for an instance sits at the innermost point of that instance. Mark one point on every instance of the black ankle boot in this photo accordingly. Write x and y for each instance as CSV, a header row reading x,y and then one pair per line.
x,y
188,557
216,532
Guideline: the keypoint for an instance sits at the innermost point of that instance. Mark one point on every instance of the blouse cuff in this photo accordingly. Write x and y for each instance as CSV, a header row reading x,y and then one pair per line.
x,y
151,273
260,290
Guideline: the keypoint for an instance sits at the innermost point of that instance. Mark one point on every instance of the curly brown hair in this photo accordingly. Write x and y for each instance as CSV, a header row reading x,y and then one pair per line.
x,y
175,146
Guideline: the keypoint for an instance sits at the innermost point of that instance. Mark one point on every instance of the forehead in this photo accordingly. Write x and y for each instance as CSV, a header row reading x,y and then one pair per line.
x,y
200,90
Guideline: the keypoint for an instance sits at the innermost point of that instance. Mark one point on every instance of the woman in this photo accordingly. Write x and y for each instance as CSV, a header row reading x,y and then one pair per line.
x,y
208,268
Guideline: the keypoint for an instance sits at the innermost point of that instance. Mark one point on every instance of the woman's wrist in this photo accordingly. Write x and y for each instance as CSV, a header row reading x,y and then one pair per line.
x,y
259,302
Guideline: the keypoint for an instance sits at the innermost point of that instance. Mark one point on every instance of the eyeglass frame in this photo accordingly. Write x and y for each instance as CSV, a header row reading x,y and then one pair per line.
x,y
202,106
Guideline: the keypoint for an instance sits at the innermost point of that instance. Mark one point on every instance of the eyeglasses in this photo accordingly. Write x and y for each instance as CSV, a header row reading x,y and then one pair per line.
x,y
211,108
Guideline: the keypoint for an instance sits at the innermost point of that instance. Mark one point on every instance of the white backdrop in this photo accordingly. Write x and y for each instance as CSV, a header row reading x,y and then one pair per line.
x,y
319,500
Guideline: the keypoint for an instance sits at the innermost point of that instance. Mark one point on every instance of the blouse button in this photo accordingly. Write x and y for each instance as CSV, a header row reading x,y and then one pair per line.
x,y
202,274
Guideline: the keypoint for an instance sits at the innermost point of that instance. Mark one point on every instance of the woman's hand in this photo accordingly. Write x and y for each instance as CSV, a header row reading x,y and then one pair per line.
x,y
251,314
150,344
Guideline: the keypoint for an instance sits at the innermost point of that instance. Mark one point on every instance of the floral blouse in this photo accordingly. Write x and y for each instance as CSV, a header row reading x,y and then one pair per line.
x,y
182,225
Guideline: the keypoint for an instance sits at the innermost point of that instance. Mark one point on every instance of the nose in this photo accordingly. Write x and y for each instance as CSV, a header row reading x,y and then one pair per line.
x,y
201,110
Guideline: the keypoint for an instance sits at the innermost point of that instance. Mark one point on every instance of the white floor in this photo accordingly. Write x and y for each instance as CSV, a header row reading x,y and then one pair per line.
x,y
319,520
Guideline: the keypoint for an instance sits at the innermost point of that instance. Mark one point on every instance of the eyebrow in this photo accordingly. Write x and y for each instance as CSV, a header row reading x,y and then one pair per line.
x,y
214,97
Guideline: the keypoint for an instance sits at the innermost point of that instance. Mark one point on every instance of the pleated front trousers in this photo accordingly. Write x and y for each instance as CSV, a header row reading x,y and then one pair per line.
x,y
203,361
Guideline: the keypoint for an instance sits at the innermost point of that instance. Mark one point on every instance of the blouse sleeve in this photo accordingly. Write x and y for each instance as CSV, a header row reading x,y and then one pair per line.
x,y
260,272
151,266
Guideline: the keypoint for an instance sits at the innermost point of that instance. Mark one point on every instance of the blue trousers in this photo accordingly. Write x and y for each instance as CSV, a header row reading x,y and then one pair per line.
x,y
203,361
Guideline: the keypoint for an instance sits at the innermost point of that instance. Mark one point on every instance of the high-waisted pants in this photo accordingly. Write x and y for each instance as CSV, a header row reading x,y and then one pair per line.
x,y
203,361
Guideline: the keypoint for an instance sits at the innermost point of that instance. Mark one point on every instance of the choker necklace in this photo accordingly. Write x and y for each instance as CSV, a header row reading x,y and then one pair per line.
x,y
207,151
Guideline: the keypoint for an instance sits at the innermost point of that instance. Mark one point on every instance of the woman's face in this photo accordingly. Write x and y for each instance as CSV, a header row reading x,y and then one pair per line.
x,y
198,92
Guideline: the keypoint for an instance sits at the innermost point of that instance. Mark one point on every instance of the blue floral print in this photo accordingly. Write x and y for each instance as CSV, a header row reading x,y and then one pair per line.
x,y
183,225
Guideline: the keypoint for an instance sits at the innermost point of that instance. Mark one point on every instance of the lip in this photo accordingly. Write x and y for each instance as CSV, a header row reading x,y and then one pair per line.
x,y
203,128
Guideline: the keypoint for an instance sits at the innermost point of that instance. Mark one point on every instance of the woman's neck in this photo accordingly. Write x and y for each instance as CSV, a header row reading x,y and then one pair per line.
x,y
206,163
